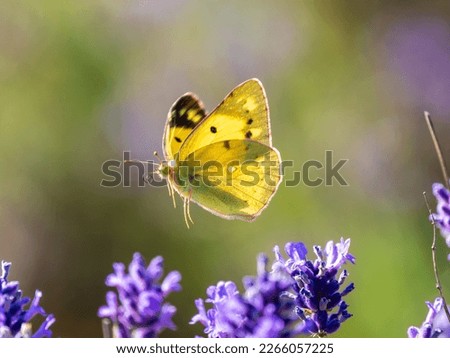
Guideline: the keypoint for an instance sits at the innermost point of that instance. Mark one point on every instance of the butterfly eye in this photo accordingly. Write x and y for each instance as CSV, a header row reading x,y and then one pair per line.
x,y
171,163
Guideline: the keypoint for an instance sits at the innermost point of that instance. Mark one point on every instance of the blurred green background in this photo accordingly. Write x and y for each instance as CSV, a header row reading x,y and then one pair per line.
x,y
83,81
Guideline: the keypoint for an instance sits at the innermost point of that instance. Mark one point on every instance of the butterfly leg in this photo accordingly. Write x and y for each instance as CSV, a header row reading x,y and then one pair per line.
x,y
186,211
171,193
188,200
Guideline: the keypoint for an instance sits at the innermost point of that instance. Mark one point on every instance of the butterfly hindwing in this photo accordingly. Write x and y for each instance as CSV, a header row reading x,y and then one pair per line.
x,y
243,114
234,179
184,115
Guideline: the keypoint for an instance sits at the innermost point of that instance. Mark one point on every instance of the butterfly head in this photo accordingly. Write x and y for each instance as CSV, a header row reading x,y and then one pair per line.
x,y
165,168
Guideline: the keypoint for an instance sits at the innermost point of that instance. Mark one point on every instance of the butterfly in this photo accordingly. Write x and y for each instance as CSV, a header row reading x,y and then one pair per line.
x,y
223,161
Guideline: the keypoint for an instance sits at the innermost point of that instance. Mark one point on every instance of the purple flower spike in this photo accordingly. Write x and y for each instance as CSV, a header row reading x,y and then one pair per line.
x,y
138,309
296,297
442,215
436,323
318,299
261,311
14,317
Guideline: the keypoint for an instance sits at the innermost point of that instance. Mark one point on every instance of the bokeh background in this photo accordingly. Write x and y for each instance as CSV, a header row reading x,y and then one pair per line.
x,y
83,81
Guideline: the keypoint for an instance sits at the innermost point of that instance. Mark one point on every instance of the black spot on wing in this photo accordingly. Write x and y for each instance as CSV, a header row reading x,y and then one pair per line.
x,y
180,110
250,121
248,134
178,139
213,129
194,179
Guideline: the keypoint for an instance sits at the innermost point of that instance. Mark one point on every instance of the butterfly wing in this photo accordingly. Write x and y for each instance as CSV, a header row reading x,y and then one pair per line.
x,y
243,114
184,115
234,179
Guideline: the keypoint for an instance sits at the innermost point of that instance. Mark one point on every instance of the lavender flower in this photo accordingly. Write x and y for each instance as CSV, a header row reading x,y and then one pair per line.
x,y
14,317
436,324
138,308
262,311
273,304
442,216
318,301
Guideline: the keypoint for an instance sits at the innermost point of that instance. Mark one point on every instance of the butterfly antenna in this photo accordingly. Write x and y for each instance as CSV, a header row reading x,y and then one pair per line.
x,y
134,161
131,161
155,153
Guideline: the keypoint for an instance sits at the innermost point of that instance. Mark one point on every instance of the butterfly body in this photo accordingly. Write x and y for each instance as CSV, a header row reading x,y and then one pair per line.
x,y
223,161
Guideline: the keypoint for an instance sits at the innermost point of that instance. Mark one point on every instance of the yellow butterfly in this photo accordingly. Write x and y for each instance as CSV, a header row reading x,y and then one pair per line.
x,y
223,161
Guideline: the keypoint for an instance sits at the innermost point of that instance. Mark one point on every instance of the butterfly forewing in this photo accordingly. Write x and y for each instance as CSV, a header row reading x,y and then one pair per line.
x,y
184,115
243,114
